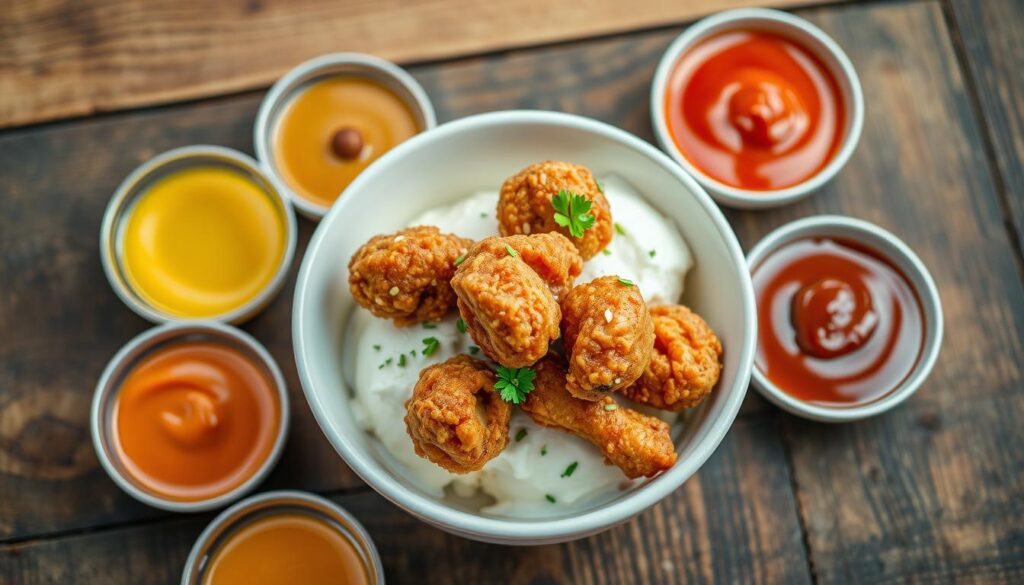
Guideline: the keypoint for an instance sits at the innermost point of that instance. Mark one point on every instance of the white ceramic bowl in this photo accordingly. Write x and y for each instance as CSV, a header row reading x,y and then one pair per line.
x,y
479,152
104,400
897,252
809,36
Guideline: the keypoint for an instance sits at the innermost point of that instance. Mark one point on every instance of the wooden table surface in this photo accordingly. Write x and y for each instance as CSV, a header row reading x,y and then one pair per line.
x,y
932,491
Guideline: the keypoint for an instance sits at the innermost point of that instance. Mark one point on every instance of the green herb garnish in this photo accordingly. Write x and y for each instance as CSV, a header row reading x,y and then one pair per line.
x,y
429,325
571,211
514,383
619,229
473,350
460,259
401,361
544,450
652,253
626,282
600,185
568,470
430,345
606,252
461,325
549,498
483,214
510,251
610,406
520,435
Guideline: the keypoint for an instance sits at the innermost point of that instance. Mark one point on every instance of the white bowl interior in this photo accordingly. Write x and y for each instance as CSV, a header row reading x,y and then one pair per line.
x,y
478,153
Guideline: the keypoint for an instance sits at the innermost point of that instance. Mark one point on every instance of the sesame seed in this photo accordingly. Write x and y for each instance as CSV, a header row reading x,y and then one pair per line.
x,y
608,315
526,228
378,300
399,238
543,178
618,380
394,292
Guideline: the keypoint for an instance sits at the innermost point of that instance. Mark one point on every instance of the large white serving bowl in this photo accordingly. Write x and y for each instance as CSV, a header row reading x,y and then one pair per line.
x,y
478,153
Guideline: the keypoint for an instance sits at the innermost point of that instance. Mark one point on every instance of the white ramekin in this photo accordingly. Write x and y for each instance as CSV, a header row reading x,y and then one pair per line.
x,y
269,503
142,345
893,249
486,149
331,65
810,37
136,185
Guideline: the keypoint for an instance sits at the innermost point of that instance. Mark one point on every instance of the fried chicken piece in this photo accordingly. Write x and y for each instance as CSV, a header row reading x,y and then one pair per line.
x,y
507,289
524,204
638,444
455,417
406,276
608,336
686,363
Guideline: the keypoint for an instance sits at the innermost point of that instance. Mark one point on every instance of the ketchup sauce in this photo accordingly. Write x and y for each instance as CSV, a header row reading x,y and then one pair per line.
x,y
839,325
754,110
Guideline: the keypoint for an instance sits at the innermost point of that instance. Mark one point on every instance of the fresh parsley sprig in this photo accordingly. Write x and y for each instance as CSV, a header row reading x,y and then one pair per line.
x,y
514,383
572,211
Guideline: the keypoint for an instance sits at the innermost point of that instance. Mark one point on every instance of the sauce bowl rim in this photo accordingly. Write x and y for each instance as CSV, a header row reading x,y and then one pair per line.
x,y
917,275
824,47
109,385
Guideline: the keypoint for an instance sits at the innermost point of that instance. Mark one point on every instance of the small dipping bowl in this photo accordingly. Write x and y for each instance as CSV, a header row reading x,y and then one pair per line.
x,y
340,141
887,248
152,344
266,506
222,180
797,30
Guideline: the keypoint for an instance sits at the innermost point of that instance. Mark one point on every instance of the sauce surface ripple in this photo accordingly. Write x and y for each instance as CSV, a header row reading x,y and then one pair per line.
x,y
839,325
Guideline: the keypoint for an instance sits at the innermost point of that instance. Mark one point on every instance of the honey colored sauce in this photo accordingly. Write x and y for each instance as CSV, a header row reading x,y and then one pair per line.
x,y
754,110
286,548
333,130
195,420
839,325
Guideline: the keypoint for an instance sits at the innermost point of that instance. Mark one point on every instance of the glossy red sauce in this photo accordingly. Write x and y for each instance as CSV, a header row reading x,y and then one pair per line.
x,y
755,110
839,325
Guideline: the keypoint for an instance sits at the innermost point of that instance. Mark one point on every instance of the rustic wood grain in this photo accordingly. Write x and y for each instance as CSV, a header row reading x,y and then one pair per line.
x,y
62,58
933,491
734,522
990,38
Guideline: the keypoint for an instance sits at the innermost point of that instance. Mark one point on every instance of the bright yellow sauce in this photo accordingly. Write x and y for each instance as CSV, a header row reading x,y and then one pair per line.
x,y
202,242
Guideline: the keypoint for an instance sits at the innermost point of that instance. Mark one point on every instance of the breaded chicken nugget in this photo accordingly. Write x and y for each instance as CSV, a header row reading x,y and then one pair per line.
x,y
525,206
638,444
506,291
686,363
455,417
608,336
406,276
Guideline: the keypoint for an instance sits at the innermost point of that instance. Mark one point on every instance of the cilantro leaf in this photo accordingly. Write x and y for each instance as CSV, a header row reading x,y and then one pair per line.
x,y
514,383
573,211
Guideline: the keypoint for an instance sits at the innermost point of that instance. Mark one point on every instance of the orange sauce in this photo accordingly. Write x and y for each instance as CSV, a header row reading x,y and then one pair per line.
x,y
286,548
306,134
754,110
195,420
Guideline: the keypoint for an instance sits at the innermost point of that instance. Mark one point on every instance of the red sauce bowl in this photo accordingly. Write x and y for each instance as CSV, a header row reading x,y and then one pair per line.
x,y
874,245
845,116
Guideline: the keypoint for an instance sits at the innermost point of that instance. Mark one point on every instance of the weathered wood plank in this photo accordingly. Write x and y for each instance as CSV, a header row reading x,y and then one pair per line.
x,y
62,58
934,491
989,34
735,522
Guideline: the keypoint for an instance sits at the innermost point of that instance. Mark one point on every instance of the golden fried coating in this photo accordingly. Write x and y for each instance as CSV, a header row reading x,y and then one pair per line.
x,y
524,205
455,417
608,336
686,363
638,444
406,276
507,289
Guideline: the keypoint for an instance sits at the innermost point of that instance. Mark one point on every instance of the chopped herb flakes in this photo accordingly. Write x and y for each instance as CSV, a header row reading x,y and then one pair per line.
x,y
429,325
510,251
460,325
473,350
401,361
483,214
606,252
652,253
376,347
626,282
460,259
520,435
600,185
572,467
619,229
544,450
610,406
430,345
550,498
514,383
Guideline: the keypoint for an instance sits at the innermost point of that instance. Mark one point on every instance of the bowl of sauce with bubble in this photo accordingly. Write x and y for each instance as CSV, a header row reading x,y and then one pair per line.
x,y
849,319
760,106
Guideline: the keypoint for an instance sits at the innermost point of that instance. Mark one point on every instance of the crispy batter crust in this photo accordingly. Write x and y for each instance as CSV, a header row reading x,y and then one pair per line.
x,y
639,445
455,417
406,276
686,363
508,300
524,204
608,336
